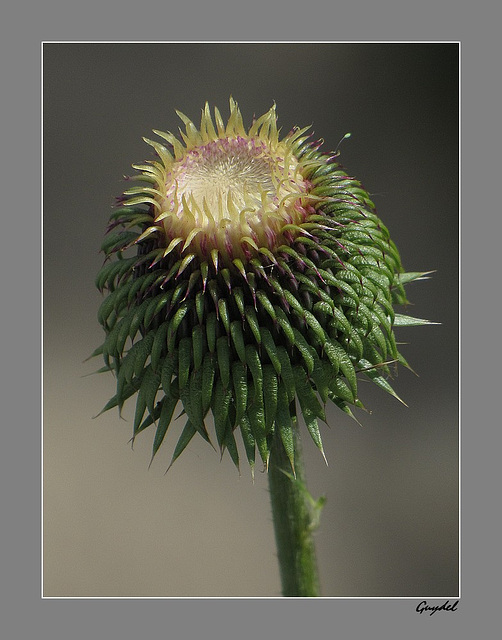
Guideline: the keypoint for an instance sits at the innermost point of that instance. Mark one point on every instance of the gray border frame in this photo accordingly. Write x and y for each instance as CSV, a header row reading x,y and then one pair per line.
x,y
24,615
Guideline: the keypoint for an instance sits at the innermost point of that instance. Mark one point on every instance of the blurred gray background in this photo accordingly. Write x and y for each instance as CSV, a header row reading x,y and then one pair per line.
x,y
113,527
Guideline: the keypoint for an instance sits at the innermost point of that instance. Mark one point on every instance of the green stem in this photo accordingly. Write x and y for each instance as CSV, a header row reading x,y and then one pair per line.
x,y
292,520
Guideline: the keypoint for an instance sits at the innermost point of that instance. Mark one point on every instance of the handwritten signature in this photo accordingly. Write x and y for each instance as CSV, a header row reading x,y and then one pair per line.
x,y
446,606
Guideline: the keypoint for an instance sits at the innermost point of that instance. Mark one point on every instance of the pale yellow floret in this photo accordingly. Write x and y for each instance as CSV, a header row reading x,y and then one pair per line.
x,y
224,189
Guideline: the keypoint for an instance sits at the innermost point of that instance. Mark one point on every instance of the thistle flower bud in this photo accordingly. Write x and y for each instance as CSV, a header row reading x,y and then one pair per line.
x,y
247,275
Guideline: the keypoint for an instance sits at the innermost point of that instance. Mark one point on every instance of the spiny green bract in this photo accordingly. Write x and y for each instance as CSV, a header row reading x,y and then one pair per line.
x,y
253,342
